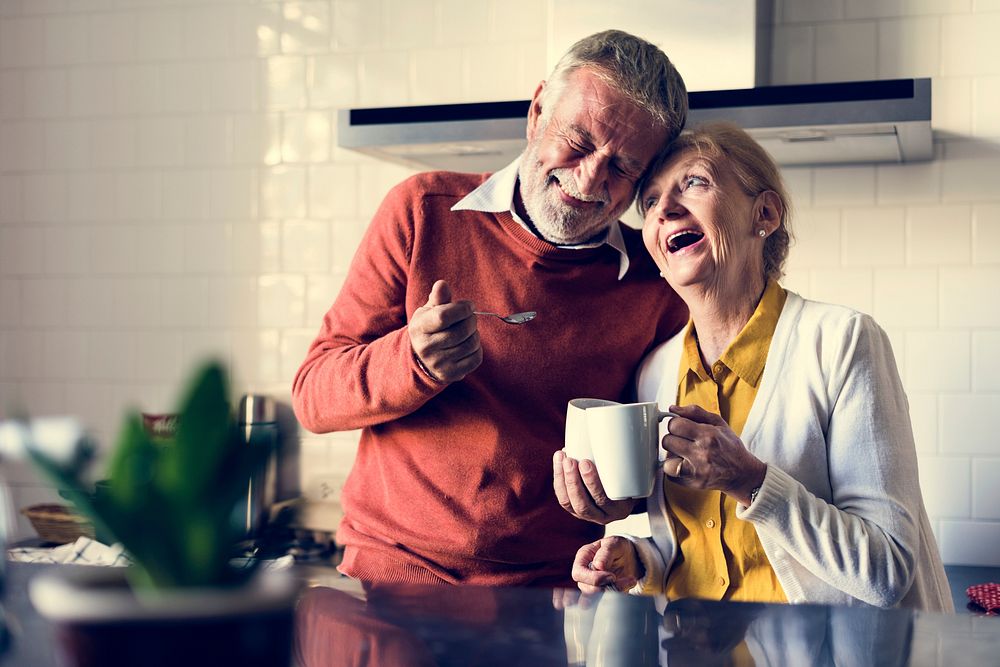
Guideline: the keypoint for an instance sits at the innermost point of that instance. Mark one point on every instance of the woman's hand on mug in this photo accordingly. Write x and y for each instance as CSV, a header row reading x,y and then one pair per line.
x,y
611,561
580,492
704,453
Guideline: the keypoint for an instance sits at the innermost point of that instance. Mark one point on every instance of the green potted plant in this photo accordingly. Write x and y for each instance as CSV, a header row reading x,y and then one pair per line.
x,y
172,503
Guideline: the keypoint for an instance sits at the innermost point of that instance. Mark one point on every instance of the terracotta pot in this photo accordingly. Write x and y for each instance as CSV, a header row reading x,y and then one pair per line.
x,y
100,621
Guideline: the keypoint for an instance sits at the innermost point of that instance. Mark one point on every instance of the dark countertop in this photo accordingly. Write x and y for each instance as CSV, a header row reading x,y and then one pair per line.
x,y
339,624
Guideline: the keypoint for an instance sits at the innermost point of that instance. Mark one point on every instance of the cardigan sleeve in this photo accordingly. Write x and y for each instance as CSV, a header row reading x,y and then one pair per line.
x,y
863,542
654,581
361,369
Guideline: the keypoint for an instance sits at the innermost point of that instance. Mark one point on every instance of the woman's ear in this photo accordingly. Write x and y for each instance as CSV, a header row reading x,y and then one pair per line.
x,y
535,111
767,212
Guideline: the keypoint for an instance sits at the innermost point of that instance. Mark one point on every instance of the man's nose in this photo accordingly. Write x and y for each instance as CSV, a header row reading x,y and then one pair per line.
x,y
592,174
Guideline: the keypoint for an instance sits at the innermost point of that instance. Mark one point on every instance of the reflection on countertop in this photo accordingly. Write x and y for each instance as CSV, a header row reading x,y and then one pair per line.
x,y
419,625
325,575
340,622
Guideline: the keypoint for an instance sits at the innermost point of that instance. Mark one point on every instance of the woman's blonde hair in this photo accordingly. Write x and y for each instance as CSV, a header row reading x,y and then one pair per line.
x,y
728,146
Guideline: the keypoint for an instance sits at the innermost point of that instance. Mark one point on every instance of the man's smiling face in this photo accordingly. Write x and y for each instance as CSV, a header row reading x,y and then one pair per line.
x,y
583,159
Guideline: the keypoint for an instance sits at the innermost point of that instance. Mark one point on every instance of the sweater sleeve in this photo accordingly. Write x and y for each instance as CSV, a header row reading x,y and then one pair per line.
x,y
863,542
361,370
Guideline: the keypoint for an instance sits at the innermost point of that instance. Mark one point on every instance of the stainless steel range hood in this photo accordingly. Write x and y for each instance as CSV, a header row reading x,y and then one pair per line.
x,y
809,124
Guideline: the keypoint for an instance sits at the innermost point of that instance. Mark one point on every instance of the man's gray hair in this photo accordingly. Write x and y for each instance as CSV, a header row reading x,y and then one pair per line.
x,y
636,68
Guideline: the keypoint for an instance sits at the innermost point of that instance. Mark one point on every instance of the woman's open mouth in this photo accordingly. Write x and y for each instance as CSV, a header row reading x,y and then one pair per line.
x,y
683,239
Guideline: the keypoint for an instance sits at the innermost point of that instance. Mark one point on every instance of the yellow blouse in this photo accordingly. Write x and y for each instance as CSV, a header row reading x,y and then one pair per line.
x,y
719,556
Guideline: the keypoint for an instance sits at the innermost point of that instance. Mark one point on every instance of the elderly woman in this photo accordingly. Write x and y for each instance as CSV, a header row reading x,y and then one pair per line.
x,y
790,472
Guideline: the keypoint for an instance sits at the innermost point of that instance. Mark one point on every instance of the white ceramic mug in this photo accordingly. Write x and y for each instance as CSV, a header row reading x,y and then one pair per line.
x,y
577,444
624,440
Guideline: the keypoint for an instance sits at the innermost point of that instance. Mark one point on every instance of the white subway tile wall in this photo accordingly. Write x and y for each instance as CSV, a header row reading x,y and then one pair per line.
x,y
170,187
924,419
910,183
938,476
848,286
906,297
986,362
835,62
986,496
908,47
873,236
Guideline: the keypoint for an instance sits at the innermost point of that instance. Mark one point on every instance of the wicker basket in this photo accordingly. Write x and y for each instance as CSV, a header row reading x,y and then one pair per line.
x,y
58,523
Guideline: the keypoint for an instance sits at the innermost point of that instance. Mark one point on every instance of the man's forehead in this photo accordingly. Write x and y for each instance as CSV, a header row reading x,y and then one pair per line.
x,y
600,114
623,154
588,94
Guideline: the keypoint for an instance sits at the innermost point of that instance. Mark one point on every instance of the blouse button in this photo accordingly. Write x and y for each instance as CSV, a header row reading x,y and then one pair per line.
x,y
710,523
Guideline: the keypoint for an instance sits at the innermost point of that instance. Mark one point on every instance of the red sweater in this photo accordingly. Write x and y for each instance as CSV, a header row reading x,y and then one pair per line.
x,y
454,482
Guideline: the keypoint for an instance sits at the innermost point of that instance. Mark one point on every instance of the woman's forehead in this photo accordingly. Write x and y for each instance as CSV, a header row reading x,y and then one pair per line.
x,y
685,159
689,157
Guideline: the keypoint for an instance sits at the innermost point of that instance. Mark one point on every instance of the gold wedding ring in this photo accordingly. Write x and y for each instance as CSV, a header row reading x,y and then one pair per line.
x,y
679,469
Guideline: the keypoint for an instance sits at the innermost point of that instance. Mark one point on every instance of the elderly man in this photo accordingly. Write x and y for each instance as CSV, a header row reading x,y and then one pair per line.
x,y
460,416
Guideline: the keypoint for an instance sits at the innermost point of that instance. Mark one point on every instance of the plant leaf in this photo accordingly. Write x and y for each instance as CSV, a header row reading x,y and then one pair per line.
x,y
172,503
203,435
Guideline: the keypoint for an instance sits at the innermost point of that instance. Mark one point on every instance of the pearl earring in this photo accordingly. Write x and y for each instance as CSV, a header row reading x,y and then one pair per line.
x,y
761,233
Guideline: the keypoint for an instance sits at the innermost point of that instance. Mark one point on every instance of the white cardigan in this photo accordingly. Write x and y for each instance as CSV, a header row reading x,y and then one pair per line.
x,y
840,514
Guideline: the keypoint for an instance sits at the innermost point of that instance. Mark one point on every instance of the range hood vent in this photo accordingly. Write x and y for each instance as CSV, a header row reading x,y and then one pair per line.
x,y
800,125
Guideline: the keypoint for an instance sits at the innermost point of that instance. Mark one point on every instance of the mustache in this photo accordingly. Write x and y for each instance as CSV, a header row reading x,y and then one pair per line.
x,y
568,184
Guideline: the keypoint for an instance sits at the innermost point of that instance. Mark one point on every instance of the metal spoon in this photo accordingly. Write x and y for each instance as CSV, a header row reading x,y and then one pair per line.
x,y
516,318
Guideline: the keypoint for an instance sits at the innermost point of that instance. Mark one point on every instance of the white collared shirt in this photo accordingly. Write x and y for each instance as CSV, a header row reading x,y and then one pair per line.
x,y
496,195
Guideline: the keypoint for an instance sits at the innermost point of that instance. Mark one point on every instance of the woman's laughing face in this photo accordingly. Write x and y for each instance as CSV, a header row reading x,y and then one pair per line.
x,y
699,224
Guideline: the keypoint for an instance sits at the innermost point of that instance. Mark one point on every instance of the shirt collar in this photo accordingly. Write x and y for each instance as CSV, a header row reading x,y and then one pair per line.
x,y
747,353
496,195
691,358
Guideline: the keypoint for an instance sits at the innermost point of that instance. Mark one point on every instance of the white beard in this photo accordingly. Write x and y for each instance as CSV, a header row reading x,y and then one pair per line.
x,y
556,222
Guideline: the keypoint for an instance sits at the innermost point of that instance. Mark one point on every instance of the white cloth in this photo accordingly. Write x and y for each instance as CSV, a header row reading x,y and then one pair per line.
x,y
280,563
840,514
496,195
84,551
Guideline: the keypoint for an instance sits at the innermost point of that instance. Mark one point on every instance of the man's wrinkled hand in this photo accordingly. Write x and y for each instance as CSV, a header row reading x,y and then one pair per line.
x,y
580,492
444,336
564,598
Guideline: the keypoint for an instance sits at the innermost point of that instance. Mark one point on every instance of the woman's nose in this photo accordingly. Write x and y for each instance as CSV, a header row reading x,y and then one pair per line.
x,y
668,208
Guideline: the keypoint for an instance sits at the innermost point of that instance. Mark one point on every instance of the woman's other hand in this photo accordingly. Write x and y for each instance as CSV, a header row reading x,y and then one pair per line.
x,y
610,561
580,492
704,453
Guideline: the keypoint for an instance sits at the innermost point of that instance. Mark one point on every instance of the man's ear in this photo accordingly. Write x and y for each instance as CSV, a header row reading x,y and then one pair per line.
x,y
535,111
768,211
